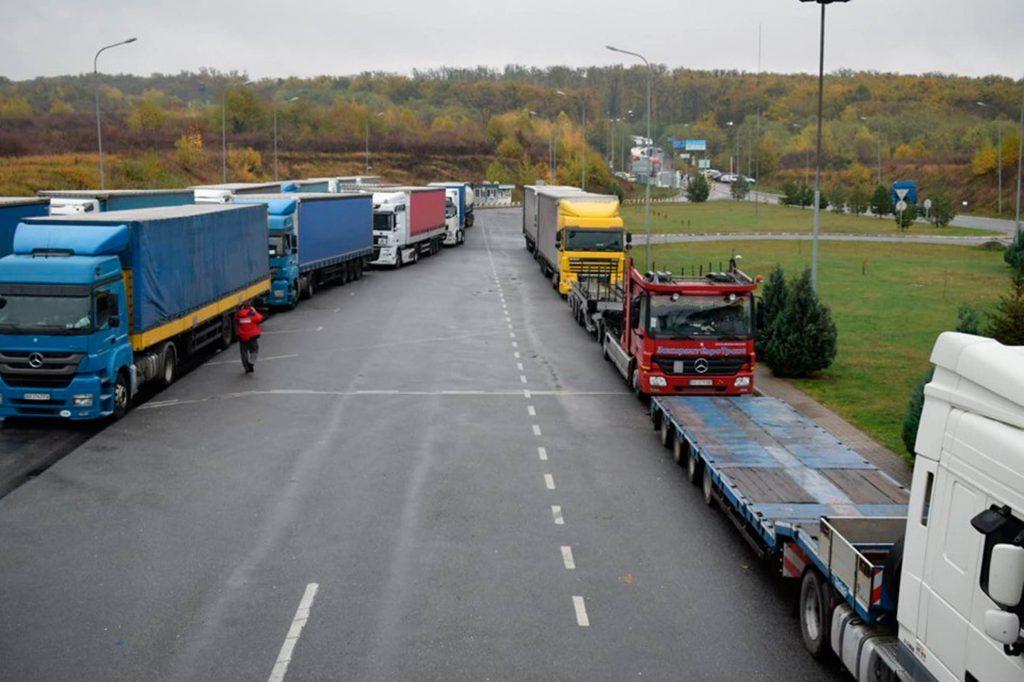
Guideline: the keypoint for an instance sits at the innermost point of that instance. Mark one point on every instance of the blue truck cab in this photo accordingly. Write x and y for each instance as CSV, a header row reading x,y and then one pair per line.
x,y
93,306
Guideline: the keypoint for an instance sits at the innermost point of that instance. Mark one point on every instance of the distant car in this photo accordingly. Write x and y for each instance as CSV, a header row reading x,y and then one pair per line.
x,y
750,181
728,178
714,174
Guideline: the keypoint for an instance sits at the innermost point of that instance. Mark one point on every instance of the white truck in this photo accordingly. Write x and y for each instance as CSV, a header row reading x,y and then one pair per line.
x,y
898,588
407,222
454,234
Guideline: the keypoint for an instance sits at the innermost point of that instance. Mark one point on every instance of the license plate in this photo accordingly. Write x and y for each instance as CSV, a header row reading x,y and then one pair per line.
x,y
701,382
37,396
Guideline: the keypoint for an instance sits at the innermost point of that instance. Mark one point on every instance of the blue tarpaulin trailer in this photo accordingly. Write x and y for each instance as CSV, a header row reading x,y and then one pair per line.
x,y
12,211
315,238
315,185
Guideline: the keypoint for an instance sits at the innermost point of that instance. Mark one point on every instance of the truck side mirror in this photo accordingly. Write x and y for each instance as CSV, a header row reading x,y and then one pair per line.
x,y
1003,627
760,315
114,322
1006,575
629,237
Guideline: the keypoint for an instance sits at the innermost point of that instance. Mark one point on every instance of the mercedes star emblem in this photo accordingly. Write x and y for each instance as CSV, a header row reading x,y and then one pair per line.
x,y
35,360
700,365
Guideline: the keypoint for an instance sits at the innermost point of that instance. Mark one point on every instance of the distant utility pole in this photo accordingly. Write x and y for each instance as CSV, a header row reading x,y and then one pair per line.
x,y
290,99
817,163
583,130
999,159
96,85
1020,153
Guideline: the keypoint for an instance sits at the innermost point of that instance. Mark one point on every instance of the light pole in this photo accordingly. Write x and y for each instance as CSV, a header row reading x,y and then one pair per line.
x,y
290,99
650,163
817,162
378,115
736,157
999,160
224,131
96,85
1020,153
583,130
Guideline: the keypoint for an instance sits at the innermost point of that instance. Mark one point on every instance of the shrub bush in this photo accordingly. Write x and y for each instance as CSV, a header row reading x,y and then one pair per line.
x,y
804,338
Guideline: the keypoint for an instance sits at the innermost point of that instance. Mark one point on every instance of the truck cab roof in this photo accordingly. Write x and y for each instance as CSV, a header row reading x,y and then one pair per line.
x,y
87,270
107,193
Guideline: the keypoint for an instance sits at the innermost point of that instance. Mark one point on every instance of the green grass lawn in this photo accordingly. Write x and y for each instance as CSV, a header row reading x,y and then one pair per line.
x,y
888,318
739,216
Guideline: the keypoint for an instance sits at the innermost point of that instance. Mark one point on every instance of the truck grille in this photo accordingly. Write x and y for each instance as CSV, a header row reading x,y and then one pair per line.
x,y
33,368
715,366
593,266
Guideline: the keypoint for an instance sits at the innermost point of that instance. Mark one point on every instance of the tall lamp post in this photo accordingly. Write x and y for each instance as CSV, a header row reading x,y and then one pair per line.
x,y
96,85
583,130
650,165
817,162
290,99
1020,154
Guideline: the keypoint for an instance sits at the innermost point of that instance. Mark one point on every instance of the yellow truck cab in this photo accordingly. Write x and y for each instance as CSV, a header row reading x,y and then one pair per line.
x,y
576,234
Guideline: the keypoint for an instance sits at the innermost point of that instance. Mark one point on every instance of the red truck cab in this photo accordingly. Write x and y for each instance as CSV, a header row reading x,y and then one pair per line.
x,y
682,335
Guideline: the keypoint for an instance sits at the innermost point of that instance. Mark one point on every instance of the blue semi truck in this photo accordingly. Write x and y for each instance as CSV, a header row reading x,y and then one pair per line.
x,y
12,211
95,305
315,239
74,201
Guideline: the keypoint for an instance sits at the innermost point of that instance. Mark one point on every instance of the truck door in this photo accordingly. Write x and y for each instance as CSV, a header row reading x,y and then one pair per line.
x,y
637,324
109,317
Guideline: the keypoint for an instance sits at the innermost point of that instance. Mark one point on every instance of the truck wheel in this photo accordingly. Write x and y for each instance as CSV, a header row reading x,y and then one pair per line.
x,y
122,396
226,332
310,287
679,450
667,433
554,281
693,467
168,365
415,256
815,615
398,259
708,488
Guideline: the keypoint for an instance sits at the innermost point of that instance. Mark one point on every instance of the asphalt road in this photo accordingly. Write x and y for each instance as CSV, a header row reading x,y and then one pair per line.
x,y
432,475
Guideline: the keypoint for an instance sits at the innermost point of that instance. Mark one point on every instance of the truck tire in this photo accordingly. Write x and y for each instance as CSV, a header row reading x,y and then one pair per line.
x,y
121,396
415,256
693,466
310,286
398,259
667,433
815,614
708,488
227,332
168,365
679,450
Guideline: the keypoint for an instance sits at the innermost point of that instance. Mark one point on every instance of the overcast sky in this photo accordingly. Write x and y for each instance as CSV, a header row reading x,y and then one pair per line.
x,y
311,37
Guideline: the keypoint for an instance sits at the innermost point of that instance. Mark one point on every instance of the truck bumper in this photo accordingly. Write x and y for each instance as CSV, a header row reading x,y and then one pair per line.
x,y
387,255
57,403
281,293
662,384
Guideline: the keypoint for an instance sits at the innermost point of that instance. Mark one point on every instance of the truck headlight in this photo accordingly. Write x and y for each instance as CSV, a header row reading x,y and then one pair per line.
x,y
82,400
741,382
278,294
658,382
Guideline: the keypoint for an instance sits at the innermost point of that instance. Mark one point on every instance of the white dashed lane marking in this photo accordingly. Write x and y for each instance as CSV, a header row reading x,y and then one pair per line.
x,y
542,452
531,410
581,611
556,513
284,657
570,563
536,429
549,481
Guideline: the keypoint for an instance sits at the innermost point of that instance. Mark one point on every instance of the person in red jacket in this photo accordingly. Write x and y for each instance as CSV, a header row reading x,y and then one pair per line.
x,y
247,325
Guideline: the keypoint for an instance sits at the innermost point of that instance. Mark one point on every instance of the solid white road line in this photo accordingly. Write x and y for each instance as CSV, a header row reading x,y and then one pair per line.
x,y
556,513
581,611
549,481
531,410
536,429
570,563
542,452
294,632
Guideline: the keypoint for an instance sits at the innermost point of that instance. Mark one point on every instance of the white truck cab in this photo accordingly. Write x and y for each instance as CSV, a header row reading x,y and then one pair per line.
x,y
72,206
390,225
453,235
960,604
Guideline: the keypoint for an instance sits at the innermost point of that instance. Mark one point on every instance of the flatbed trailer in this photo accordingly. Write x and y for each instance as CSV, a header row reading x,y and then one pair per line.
x,y
805,502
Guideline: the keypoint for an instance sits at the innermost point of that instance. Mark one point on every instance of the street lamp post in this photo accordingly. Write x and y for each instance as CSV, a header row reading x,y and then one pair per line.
x,y
650,165
999,160
224,131
583,130
817,163
290,99
96,85
1020,154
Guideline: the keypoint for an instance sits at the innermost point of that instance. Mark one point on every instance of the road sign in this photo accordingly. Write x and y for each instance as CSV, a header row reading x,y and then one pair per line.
x,y
704,163
927,204
901,206
904,190
902,193
696,145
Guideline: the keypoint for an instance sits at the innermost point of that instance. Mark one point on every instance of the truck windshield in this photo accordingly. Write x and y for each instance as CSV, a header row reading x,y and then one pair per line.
x,y
685,317
383,222
449,209
35,314
278,245
577,239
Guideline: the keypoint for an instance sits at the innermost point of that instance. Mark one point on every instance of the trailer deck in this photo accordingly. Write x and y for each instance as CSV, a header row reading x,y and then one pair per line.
x,y
778,469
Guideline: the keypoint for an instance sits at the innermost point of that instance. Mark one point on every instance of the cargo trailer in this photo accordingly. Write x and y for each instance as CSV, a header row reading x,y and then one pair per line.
x,y
72,202
407,222
12,211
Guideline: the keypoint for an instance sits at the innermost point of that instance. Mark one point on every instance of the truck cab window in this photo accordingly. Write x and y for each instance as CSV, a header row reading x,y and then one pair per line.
x,y
384,222
634,312
926,505
106,307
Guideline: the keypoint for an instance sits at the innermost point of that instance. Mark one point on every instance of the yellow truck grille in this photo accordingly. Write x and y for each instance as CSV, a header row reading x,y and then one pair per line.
x,y
594,266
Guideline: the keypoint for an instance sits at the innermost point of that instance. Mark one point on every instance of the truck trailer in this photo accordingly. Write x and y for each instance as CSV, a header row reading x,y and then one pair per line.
x,y
12,211
407,222
95,305
225,192
925,585
310,185
671,334
315,239
72,202
464,202
578,234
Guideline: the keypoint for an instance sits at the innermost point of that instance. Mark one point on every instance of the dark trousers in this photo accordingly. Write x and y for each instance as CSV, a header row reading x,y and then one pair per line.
x,y
249,350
